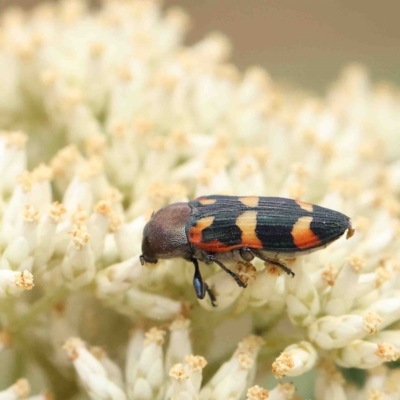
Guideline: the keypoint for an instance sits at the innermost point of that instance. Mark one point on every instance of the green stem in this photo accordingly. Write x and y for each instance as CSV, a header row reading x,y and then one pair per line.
x,y
41,305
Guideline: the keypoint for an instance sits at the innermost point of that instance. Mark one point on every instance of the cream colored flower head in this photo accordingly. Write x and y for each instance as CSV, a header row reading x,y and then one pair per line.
x,y
106,116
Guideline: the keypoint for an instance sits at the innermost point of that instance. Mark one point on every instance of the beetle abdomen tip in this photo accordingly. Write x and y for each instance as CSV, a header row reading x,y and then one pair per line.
x,y
350,231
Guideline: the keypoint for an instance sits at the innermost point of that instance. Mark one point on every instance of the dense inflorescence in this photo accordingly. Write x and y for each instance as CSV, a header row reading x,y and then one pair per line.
x,y
107,116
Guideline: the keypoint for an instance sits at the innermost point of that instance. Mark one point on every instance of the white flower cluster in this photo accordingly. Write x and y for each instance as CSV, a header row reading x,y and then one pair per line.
x,y
106,116
147,368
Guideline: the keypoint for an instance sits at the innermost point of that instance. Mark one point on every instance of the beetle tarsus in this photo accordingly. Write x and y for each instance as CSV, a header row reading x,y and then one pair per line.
x,y
280,265
212,258
211,295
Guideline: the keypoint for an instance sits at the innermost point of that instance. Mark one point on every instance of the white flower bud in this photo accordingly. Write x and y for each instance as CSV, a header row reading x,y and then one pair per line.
x,y
283,391
369,287
388,309
78,118
65,228
65,163
21,197
260,290
295,360
324,277
232,378
41,189
19,252
250,345
152,306
365,355
114,372
302,298
392,384
374,244
247,171
335,332
149,375
231,382
28,229
12,158
98,227
77,195
211,180
340,299
257,393
141,389
128,238
277,303
378,379
13,283
46,236
114,281
225,290
91,372
135,347
115,288
123,158
182,387
20,390
110,253
254,82
388,336
179,345
195,366
78,268
60,329
329,383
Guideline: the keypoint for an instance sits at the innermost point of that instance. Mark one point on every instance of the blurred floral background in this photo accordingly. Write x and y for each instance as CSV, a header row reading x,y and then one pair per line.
x,y
304,43
109,113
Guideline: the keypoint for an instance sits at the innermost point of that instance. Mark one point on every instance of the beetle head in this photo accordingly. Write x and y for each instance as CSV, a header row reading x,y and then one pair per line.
x,y
164,236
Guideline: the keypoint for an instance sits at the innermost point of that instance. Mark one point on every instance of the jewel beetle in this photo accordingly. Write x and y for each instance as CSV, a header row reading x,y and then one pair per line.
x,y
218,229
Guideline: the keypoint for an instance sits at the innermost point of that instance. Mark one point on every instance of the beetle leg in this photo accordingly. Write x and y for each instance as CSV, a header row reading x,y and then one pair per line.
x,y
212,258
198,282
211,295
246,253
278,264
200,287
